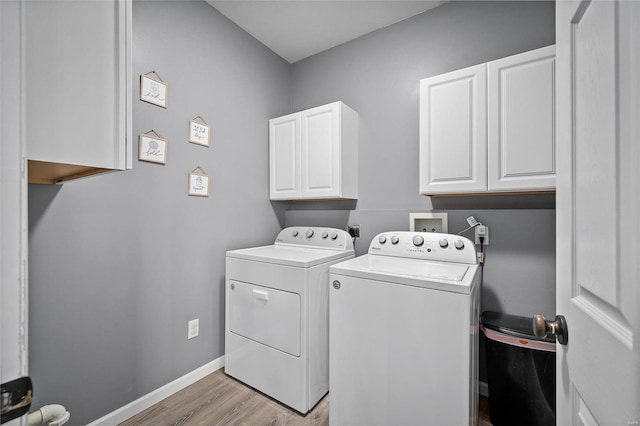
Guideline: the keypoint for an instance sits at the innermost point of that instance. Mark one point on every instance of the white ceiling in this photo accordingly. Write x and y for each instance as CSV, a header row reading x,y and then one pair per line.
x,y
296,29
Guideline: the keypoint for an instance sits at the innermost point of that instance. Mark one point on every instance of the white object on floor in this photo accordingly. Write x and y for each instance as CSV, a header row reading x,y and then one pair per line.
x,y
51,415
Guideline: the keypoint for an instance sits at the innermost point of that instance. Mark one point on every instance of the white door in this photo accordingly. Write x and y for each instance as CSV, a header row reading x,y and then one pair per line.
x,y
284,157
453,132
13,205
598,211
521,98
321,151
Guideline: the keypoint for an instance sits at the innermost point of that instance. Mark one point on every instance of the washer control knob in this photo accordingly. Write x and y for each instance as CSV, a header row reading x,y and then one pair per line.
x,y
382,239
394,240
295,233
309,233
459,244
418,240
334,235
325,234
444,243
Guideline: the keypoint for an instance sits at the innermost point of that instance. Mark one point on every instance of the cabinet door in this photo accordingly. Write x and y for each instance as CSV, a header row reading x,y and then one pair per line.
x,y
78,83
320,151
284,157
453,137
521,130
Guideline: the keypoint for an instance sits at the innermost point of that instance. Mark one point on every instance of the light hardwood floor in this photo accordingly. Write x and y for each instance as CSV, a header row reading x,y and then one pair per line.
x,y
221,400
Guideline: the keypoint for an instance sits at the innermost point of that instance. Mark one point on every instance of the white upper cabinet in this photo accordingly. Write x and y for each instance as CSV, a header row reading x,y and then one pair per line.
x,y
521,98
489,127
453,132
77,88
313,154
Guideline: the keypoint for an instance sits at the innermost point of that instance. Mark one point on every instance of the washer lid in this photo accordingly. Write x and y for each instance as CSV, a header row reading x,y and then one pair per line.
x,y
452,277
301,257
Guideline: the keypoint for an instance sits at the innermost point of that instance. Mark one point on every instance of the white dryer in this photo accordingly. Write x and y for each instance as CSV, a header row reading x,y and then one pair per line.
x,y
277,314
404,332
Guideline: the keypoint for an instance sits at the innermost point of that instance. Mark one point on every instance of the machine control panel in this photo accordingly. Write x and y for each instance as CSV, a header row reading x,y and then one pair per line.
x,y
315,237
426,246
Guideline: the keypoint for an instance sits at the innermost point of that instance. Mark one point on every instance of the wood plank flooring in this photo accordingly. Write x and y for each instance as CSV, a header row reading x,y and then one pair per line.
x,y
221,400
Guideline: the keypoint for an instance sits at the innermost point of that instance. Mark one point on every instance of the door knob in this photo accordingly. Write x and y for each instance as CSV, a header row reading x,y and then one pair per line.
x,y
542,328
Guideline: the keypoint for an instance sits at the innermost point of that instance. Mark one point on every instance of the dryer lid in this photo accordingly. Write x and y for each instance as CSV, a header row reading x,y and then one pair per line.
x,y
296,256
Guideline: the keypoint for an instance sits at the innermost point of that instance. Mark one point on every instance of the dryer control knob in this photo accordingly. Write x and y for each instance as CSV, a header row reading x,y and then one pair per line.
x,y
459,244
394,240
295,233
444,243
382,239
418,240
325,234
309,233
334,235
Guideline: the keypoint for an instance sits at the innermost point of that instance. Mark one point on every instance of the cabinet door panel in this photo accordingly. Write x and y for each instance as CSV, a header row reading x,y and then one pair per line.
x,y
320,150
521,121
284,157
453,132
78,83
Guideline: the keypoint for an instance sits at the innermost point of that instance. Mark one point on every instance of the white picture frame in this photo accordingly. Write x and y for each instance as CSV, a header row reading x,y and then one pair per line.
x,y
198,184
199,133
152,149
152,90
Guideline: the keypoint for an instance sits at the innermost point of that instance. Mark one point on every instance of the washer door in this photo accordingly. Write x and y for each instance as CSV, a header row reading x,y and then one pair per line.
x,y
266,315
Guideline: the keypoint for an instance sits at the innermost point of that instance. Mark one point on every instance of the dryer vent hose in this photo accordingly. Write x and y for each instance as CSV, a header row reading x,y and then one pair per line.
x,y
51,415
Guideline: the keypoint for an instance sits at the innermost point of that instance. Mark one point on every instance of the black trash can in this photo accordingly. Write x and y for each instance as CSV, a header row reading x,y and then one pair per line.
x,y
521,371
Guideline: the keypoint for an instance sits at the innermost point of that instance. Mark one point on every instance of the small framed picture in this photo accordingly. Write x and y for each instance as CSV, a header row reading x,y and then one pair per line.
x,y
198,132
198,183
152,148
153,89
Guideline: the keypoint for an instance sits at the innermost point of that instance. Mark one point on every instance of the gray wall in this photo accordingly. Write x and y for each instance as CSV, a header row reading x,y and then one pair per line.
x,y
119,263
378,75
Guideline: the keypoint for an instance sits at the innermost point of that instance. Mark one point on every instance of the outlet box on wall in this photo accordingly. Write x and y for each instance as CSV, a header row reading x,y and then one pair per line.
x,y
482,231
193,328
428,222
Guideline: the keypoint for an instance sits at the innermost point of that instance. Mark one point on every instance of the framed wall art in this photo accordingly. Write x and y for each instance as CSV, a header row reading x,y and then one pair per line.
x,y
198,182
199,131
153,89
152,147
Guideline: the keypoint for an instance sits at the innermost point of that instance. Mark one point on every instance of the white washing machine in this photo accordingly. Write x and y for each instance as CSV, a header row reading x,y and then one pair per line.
x,y
277,314
404,333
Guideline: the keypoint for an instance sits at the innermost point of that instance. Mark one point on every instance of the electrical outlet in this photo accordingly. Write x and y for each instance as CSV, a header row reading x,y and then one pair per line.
x,y
193,328
354,230
482,231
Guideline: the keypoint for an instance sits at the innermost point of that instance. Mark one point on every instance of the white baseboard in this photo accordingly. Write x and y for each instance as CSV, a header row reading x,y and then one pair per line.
x,y
483,389
146,401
